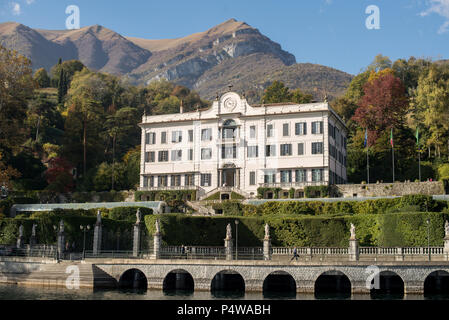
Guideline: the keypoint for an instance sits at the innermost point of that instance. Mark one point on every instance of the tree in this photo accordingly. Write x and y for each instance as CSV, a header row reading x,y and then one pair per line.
x,y
298,96
42,79
431,102
59,175
379,63
118,125
383,105
86,94
7,173
277,92
16,86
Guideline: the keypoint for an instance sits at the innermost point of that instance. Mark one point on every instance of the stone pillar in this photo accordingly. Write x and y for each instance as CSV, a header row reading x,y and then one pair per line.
x,y
446,247
228,243
157,241
97,235
20,241
61,239
33,240
399,255
353,250
136,240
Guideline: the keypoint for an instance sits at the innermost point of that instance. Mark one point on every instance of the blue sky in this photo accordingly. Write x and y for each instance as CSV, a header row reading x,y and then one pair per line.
x,y
328,32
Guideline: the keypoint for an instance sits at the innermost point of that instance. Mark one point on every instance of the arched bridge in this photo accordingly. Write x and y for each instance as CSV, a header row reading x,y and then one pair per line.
x,y
257,276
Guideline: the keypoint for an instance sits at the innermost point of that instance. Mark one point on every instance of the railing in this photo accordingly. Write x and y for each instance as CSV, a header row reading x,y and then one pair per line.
x,y
214,253
292,184
407,251
117,254
168,188
35,252
310,251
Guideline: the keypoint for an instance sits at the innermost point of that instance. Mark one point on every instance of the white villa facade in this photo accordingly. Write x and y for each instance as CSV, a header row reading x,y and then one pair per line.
x,y
238,147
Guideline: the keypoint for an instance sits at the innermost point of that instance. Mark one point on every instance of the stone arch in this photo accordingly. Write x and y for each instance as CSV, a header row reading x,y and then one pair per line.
x,y
436,283
332,284
388,284
133,279
279,283
178,280
228,283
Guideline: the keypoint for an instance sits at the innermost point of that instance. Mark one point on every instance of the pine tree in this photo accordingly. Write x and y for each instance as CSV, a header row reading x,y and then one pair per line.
x,y
61,86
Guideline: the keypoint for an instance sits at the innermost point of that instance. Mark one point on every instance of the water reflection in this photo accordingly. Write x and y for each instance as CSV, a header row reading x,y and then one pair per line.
x,y
12,292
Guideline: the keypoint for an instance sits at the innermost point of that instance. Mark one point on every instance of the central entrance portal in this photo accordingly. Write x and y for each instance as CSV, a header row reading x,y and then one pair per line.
x,y
228,177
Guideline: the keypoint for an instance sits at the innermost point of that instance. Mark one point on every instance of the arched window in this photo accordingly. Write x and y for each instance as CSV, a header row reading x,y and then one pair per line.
x,y
229,123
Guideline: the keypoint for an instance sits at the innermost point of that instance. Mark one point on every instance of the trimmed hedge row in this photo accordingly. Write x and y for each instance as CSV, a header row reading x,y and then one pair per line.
x,y
395,229
379,206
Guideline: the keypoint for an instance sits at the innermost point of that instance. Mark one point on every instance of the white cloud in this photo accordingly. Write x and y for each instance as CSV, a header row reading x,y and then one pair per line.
x,y
29,1
440,7
15,8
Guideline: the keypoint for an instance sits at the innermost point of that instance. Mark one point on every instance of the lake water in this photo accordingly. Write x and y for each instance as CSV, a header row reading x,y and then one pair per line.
x,y
13,292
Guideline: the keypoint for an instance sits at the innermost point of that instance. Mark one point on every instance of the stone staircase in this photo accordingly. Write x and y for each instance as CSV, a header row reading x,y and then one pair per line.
x,y
200,208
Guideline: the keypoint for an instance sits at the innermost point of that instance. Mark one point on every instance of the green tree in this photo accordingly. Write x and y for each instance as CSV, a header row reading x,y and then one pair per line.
x,y
298,96
42,79
277,92
16,86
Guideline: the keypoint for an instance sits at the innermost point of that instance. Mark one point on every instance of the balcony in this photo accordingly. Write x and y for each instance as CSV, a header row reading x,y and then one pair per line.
x,y
168,188
285,185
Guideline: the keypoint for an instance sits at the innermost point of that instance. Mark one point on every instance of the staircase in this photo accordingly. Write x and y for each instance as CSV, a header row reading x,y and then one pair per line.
x,y
200,209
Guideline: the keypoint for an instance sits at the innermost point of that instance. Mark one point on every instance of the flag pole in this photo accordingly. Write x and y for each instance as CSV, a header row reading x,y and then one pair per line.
x,y
367,163
419,152
392,150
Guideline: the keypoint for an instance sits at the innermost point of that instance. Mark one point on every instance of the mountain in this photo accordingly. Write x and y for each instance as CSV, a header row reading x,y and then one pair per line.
x,y
230,53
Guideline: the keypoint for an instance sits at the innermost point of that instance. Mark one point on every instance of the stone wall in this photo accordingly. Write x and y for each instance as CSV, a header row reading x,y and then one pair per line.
x,y
391,189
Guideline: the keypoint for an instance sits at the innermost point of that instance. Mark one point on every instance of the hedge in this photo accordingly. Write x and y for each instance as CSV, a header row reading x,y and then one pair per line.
x,y
396,229
171,197
47,235
379,206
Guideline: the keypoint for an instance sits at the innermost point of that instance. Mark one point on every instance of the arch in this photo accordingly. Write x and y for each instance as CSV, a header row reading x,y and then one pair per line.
x,y
133,279
230,123
389,286
436,285
279,284
228,284
333,284
178,282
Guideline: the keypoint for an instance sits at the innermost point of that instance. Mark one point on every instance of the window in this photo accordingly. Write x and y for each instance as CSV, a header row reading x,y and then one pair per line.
x,y
317,148
151,181
176,136
286,176
317,175
286,149
331,131
206,179
149,156
229,133
286,129
271,150
176,180
162,181
190,135
190,154
301,128
300,149
145,182
253,151
163,137
270,131
300,175
270,177
189,180
206,154
150,138
206,135
317,127
252,178
252,132
163,156
176,155
228,152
